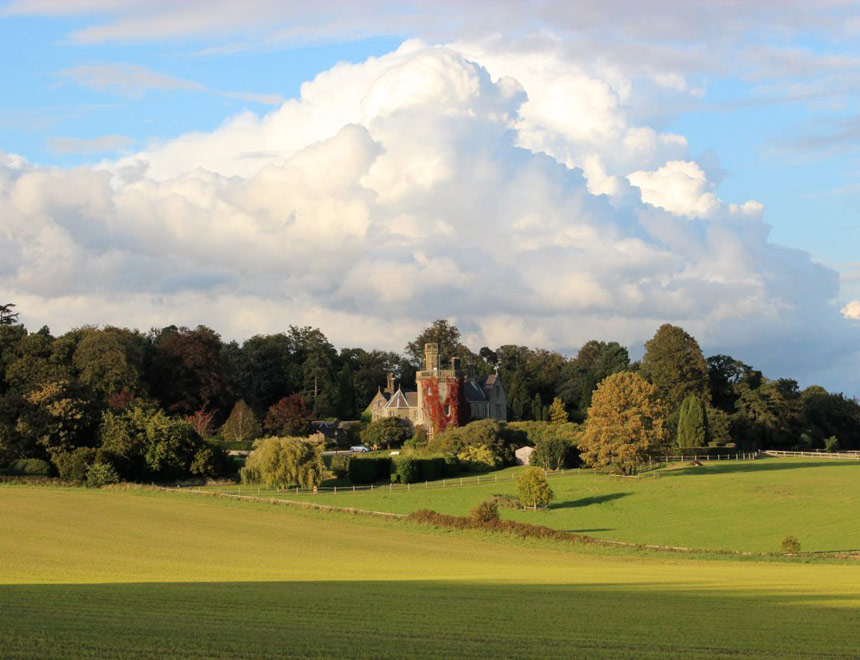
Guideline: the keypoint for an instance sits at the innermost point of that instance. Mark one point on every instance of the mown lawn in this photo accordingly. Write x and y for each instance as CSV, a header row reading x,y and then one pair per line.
x,y
728,505
138,574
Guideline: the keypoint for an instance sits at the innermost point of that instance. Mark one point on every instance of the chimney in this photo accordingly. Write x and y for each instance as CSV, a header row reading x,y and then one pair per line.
x,y
455,363
389,387
431,357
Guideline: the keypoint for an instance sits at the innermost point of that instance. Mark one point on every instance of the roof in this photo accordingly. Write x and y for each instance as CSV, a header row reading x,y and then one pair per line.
x,y
399,400
474,393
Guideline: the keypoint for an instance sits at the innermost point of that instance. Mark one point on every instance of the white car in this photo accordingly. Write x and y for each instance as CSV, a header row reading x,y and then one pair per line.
x,y
359,448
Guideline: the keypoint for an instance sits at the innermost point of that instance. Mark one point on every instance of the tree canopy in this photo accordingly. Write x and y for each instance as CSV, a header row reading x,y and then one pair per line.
x,y
625,423
674,364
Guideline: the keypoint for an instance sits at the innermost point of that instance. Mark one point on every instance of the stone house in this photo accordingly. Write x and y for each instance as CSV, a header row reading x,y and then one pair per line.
x,y
444,397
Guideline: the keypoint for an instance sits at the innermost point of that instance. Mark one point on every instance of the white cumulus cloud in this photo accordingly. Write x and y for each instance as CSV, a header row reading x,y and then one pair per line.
x,y
414,186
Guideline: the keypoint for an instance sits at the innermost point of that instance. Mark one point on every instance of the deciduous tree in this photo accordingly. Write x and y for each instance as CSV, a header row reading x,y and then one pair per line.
x,y
534,489
625,422
241,425
289,417
284,463
674,364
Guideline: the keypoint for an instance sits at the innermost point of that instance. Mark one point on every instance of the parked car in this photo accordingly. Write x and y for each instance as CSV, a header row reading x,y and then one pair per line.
x,y
359,448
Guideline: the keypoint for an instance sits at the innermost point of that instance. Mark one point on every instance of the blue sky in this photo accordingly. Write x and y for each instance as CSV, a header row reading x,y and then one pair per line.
x,y
689,110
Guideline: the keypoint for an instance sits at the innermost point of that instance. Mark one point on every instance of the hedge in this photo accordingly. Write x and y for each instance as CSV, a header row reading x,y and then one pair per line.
x,y
369,470
29,467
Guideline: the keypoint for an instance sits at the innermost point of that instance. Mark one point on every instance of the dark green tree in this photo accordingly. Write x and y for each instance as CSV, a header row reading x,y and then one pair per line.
x,y
447,336
692,423
7,316
674,364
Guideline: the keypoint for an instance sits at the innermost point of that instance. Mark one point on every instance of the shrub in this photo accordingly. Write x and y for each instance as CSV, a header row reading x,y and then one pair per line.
x,y
406,469
534,489
486,511
493,436
507,501
73,465
340,465
368,470
831,443
479,459
790,545
101,474
30,467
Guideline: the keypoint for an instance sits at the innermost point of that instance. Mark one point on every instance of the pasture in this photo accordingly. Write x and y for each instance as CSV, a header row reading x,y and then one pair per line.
x,y
727,505
117,573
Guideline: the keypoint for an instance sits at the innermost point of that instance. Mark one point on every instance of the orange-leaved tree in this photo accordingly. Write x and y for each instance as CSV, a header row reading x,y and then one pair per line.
x,y
625,422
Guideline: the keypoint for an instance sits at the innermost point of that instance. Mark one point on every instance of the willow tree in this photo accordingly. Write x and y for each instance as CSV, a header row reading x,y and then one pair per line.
x,y
625,422
284,463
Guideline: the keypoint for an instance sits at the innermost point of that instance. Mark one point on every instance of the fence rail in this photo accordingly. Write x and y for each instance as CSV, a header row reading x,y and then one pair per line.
x,y
260,491
833,455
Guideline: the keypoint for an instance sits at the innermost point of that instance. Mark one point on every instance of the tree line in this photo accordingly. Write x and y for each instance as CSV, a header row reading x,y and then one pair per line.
x,y
146,402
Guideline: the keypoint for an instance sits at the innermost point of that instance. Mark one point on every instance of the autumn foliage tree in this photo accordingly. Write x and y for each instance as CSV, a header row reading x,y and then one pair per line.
x,y
625,422
241,425
290,416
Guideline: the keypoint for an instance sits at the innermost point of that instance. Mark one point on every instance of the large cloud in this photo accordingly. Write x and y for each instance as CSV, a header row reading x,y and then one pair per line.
x,y
415,186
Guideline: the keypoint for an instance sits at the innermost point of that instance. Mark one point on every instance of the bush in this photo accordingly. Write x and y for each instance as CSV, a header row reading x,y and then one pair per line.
x,y
479,459
507,501
485,512
534,489
790,545
340,465
494,437
30,467
406,469
73,465
101,474
369,470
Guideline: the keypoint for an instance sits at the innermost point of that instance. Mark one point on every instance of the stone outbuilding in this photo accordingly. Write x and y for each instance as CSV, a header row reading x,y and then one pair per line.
x,y
524,455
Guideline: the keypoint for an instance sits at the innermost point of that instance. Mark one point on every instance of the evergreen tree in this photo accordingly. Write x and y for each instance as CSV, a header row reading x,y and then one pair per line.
x,y
557,412
537,408
692,423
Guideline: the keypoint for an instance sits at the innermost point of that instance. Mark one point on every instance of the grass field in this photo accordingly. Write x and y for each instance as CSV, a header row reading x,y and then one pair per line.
x,y
728,505
130,574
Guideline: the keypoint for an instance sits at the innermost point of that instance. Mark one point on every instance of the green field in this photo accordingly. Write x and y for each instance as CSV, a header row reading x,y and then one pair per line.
x,y
728,505
116,573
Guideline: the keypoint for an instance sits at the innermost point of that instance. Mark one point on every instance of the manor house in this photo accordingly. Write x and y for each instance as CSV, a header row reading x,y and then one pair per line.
x,y
451,396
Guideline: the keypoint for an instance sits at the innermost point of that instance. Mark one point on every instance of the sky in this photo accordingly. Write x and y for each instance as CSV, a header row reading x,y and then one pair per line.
x,y
539,173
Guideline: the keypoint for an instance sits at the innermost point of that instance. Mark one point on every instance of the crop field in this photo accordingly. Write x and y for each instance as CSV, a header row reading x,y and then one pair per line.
x,y
116,573
727,505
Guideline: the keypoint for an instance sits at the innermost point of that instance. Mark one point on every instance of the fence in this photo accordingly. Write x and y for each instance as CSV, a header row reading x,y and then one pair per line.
x,y
833,455
464,481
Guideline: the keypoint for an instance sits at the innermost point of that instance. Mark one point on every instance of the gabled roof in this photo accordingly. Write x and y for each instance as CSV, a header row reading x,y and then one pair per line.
x,y
412,399
474,393
399,400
